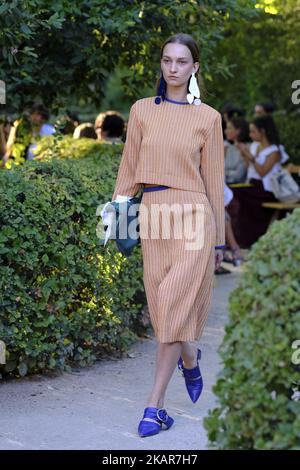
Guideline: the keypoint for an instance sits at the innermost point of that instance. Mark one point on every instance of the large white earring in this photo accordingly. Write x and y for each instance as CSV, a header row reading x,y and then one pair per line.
x,y
194,93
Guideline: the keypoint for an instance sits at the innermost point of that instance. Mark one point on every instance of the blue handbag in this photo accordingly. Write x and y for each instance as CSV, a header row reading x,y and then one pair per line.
x,y
127,224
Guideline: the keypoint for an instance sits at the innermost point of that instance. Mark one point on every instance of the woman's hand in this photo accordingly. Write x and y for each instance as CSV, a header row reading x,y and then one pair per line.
x,y
245,152
243,148
218,258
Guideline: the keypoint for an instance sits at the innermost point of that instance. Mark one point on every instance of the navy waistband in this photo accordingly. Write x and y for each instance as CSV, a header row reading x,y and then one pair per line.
x,y
155,188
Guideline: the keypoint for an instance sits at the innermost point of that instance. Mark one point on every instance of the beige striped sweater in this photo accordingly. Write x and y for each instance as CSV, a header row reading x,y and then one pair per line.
x,y
177,145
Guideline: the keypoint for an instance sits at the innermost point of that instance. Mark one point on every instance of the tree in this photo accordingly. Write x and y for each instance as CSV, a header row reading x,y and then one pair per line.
x,y
264,53
54,50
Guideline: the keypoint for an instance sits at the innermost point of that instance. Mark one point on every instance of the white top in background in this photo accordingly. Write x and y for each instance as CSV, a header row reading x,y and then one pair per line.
x,y
260,158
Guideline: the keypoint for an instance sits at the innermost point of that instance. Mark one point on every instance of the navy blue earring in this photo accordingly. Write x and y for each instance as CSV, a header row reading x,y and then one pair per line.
x,y
162,88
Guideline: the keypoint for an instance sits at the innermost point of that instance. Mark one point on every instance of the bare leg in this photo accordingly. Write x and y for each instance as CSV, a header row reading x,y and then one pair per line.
x,y
166,361
231,241
189,355
230,238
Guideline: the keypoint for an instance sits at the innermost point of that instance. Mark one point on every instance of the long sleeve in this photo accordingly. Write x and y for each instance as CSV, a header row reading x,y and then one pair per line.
x,y
212,173
125,183
235,167
241,171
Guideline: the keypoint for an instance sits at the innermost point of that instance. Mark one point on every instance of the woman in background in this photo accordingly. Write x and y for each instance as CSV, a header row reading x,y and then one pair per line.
x,y
251,219
237,130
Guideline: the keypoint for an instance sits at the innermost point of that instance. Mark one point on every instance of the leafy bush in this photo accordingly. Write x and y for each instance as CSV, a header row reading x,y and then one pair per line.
x,y
288,126
63,296
255,388
58,146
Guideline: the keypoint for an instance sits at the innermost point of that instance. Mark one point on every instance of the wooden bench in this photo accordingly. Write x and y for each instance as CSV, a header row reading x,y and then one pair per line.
x,y
239,185
282,207
293,168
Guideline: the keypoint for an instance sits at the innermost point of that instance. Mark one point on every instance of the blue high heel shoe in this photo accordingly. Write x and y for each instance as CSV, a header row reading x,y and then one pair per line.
x,y
193,378
153,421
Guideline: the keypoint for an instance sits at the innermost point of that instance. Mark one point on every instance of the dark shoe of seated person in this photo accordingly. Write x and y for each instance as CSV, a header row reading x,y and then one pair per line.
x,y
237,257
222,270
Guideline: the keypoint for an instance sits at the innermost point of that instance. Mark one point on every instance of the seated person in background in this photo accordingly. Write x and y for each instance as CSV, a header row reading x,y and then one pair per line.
x,y
236,254
284,156
250,220
98,124
231,243
71,121
8,145
237,130
5,127
86,129
37,128
38,118
229,111
110,126
263,109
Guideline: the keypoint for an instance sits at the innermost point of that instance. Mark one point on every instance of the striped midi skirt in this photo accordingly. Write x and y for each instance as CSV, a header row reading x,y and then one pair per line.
x,y
178,234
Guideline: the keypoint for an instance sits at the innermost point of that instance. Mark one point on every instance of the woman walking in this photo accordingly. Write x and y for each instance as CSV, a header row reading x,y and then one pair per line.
x,y
174,151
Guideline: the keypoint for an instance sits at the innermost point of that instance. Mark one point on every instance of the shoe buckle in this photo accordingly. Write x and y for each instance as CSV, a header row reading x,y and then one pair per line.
x,y
181,369
195,378
164,416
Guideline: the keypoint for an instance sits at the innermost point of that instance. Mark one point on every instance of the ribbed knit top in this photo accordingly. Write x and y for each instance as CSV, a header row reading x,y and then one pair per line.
x,y
177,145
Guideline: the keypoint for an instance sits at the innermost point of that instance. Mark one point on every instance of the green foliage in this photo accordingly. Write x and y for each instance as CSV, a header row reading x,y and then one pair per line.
x,y
289,125
255,386
68,147
56,50
263,52
64,297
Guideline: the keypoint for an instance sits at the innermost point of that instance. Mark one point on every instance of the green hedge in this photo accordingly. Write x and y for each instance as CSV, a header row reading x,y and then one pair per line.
x,y
255,387
63,296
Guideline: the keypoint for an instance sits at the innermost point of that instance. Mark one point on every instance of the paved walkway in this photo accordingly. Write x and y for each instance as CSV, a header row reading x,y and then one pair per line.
x,y
99,407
